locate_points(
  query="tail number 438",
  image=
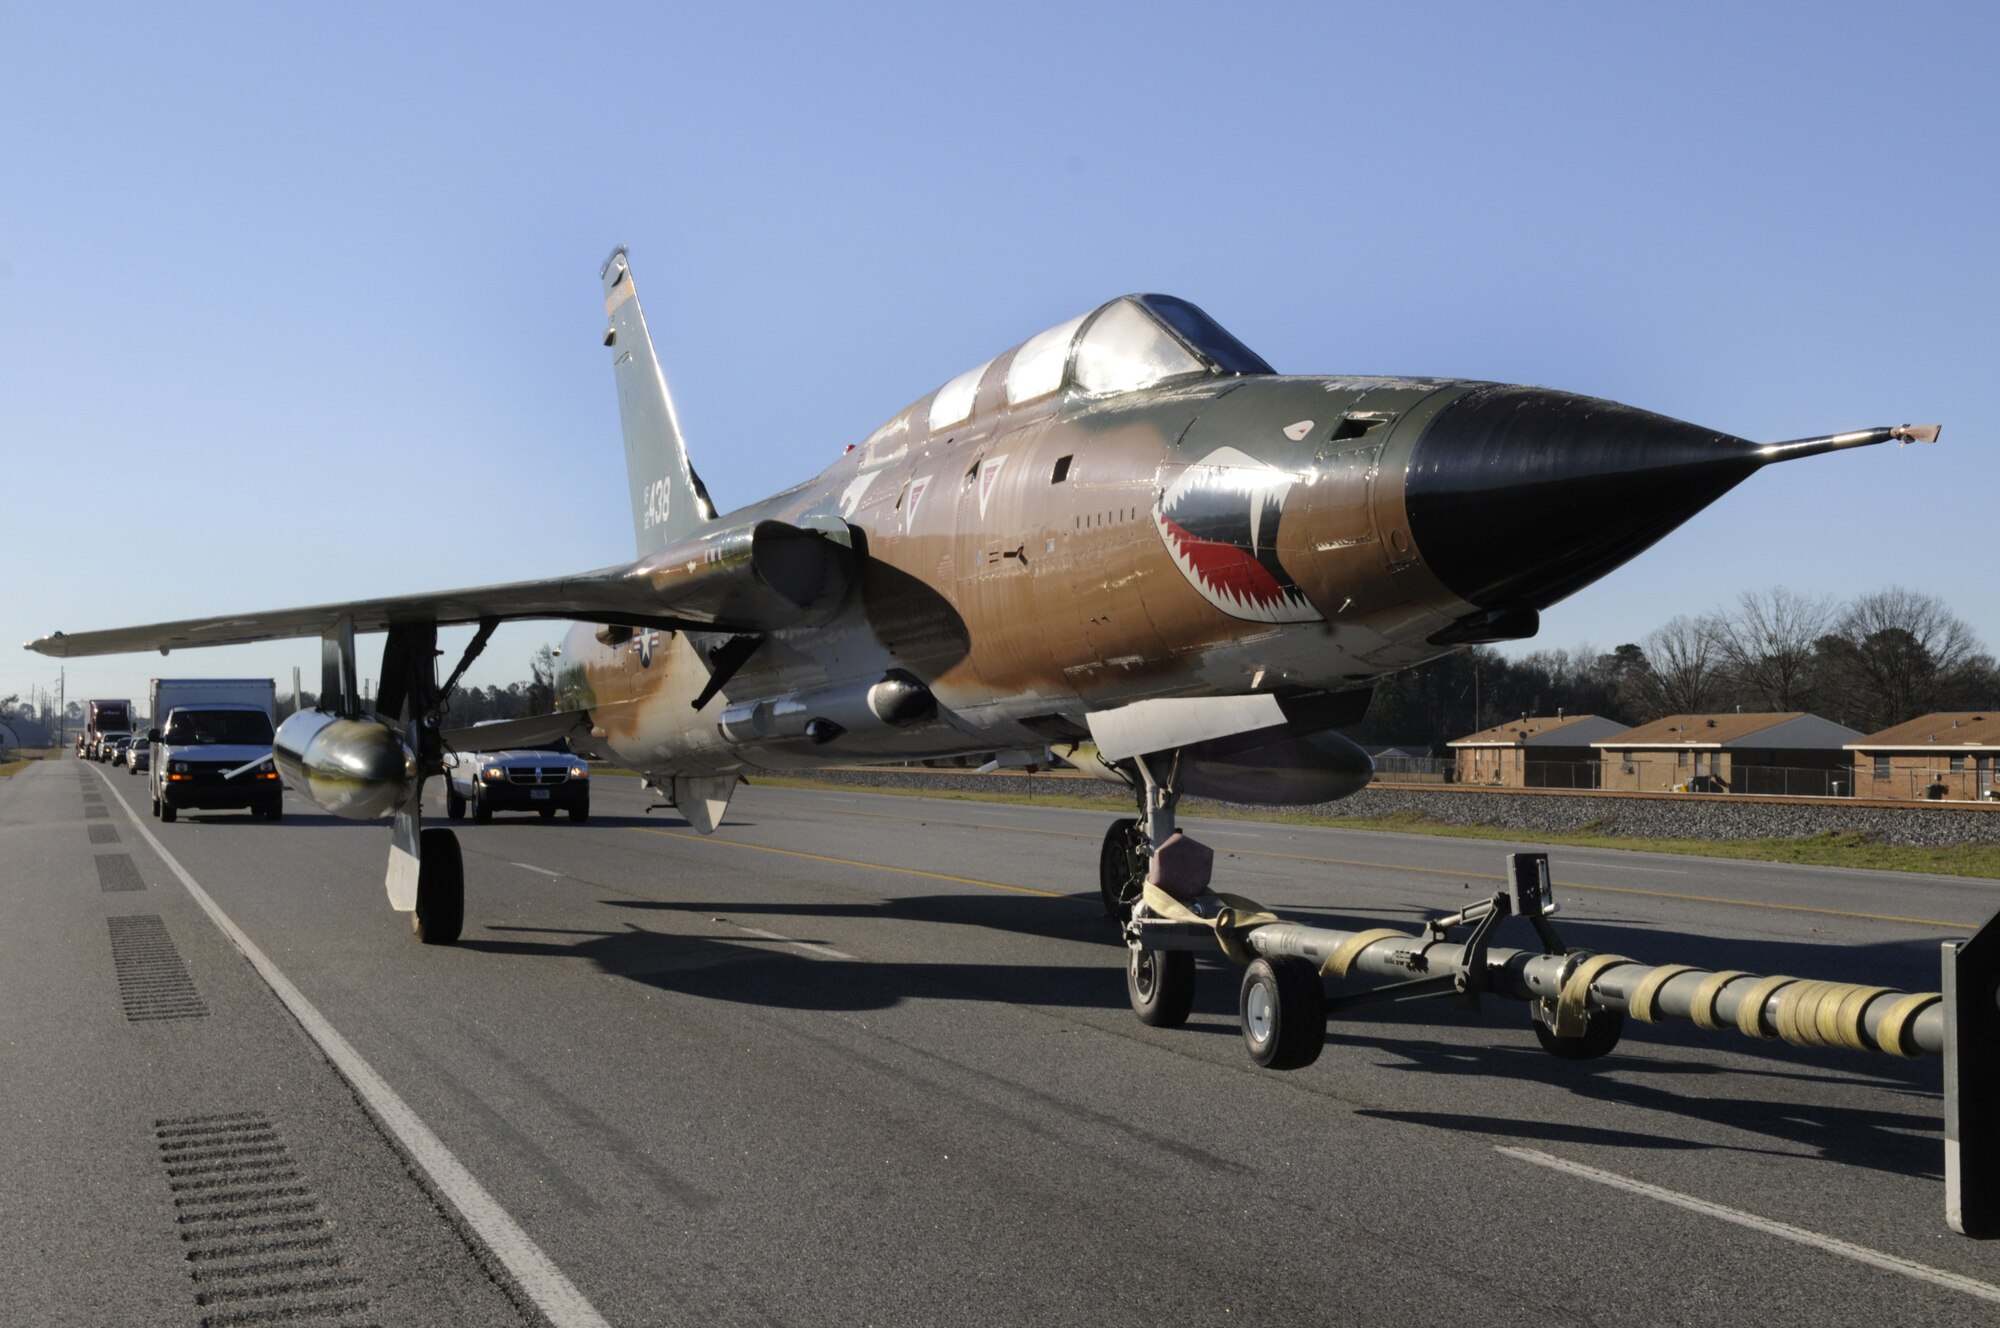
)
(658, 495)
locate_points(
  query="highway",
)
(867, 1059)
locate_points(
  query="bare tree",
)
(1896, 654)
(541, 692)
(1769, 645)
(1686, 666)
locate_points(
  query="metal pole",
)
(1527, 976)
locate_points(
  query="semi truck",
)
(104, 719)
(211, 747)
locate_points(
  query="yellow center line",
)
(1401, 867)
(850, 862)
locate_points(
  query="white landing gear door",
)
(406, 852)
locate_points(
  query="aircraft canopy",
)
(1132, 342)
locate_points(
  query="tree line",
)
(1869, 663)
(475, 705)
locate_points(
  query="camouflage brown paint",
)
(1018, 596)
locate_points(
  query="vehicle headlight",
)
(490, 772)
(179, 767)
(579, 772)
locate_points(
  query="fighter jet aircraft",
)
(1128, 531)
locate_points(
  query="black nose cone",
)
(1518, 496)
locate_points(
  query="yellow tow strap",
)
(1896, 1020)
(1343, 955)
(1797, 1015)
(1644, 1002)
(1708, 993)
(1750, 1014)
(1572, 1009)
(1236, 916)
(1849, 1018)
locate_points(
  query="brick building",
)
(1534, 751)
(1791, 752)
(1948, 754)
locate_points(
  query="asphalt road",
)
(867, 1059)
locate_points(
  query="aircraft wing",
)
(751, 579)
(534, 731)
(592, 597)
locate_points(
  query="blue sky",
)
(299, 303)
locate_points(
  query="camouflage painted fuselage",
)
(1035, 563)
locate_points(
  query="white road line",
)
(1782, 1230)
(816, 949)
(1626, 866)
(553, 1293)
(529, 866)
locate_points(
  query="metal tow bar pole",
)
(1582, 1000)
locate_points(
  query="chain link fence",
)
(1668, 776)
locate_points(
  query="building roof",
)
(1793, 729)
(1939, 731)
(1543, 731)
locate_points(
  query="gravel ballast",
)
(1664, 816)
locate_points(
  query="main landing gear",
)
(426, 872)
(439, 915)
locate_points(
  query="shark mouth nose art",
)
(1220, 523)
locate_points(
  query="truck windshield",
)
(246, 727)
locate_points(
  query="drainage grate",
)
(116, 872)
(103, 834)
(152, 981)
(92, 811)
(258, 1246)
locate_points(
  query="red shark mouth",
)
(1226, 574)
(1219, 520)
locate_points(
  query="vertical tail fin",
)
(668, 501)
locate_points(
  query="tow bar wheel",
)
(1283, 1011)
(1601, 1031)
(1161, 985)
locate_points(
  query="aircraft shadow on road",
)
(765, 972)
(1067, 918)
(1903, 1143)
(753, 970)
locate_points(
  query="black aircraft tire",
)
(1282, 1009)
(274, 809)
(454, 806)
(1120, 868)
(1601, 1031)
(156, 805)
(440, 911)
(1160, 984)
(167, 811)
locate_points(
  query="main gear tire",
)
(440, 912)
